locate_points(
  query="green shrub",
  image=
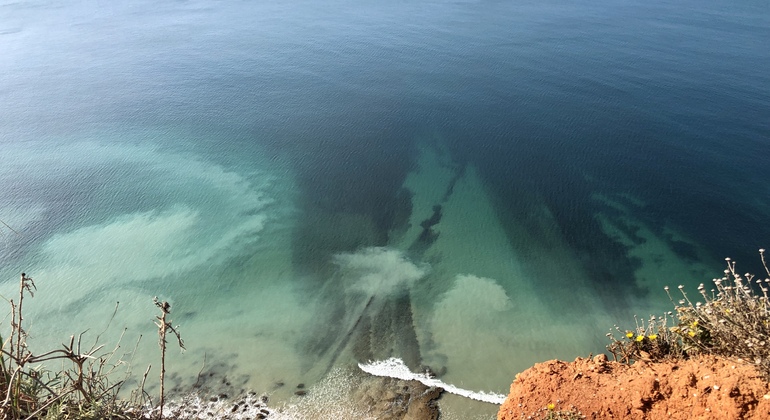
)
(650, 340)
(733, 321)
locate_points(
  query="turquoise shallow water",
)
(471, 186)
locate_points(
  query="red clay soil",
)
(703, 388)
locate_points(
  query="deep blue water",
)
(233, 149)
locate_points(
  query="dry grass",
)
(84, 385)
(83, 388)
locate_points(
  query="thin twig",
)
(200, 372)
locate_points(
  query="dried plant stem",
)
(163, 327)
(82, 388)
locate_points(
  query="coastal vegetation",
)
(82, 387)
(87, 383)
(732, 321)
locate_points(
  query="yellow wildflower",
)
(551, 406)
(691, 333)
(630, 334)
(639, 337)
(652, 336)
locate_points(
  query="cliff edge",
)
(705, 387)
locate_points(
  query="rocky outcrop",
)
(707, 387)
(394, 399)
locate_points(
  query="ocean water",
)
(474, 186)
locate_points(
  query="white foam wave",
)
(395, 368)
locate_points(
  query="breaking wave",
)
(396, 368)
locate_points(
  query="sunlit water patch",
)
(157, 223)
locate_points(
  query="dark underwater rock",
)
(394, 399)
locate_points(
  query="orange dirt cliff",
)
(706, 387)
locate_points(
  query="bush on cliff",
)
(733, 321)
